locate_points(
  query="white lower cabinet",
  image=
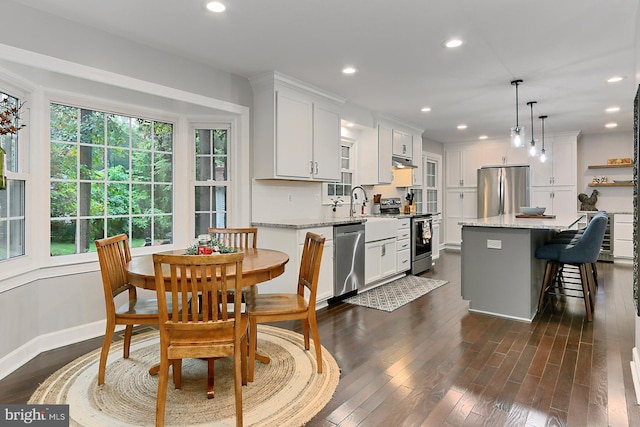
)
(403, 245)
(435, 236)
(291, 241)
(460, 205)
(379, 259)
(623, 236)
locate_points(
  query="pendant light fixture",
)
(517, 132)
(543, 154)
(532, 144)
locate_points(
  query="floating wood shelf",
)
(612, 184)
(626, 165)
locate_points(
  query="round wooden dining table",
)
(259, 265)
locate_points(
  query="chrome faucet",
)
(353, 195)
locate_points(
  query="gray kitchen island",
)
(500, 273)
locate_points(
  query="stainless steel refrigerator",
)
(502, 190)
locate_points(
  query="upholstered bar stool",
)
(582, 252)
(571, 237)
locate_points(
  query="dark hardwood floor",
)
(432, 363)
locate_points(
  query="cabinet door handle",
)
(316, 168)
(384, 250)
(311, 167)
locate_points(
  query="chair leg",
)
(595, 274)
(546, 282)
(244, 354)
(177, 373)
(237, 365)
(253, 343)
(210, 377)
(163, 381)
(128, 331)
(584, 278)
(316, 339)
(305, 329)
(106, 343)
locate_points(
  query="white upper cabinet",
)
(417, 161)
(461, 165)
(374, 156)
(402, 144)
(502, 153)
(296, 130)
(326, 143)
(560, 168)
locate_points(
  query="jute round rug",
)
(286, 392)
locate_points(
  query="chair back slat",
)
(240, 238)
(200, 283)
(310, 266)
(114, 255)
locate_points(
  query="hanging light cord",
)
(516, 83)
(533, 142)
(542, 119)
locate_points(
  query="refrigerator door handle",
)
(501, 192)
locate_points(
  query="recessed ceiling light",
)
(216, 6)
(612, 109)
(611, 125)
(483, 137)
(453, 43)
(462, 126)
(425, 109)
(615, 79)
(348, 70)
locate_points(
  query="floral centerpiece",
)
(10, 116)
(207, 244)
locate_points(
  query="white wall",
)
(50, 304)
(595, 149)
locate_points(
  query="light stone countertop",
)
(310, 222)
(301, 223)
(561, 222)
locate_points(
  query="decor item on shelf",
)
(9, 124)
(588, 203)
(595, 180)
(543, 153)
(622, 161)
(532, 144)
(517, 132)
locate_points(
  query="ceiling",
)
(564, 51)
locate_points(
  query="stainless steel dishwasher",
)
(348, 255)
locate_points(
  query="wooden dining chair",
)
(240, 238)
(294, 306)
(113, 255)
(208, 327)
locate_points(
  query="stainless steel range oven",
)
(421, 241)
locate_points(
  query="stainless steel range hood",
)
(401, 163)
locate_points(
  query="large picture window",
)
(212, 178)
(12, 190)
(110, 174)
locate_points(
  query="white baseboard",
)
(635, 372)
(42, 343)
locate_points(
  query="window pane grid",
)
(110, 174)
(212, 178)
(12, 198)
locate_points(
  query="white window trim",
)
(434, 158)
(37, 265)
(326, 199)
